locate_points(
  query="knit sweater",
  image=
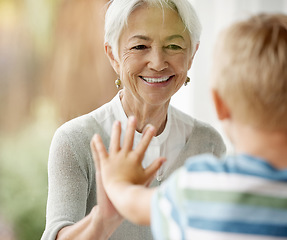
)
(71, 171)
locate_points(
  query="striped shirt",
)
(238, 197)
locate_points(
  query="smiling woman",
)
(163, 55)
(151, 45)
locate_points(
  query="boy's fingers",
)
(115, 137)
(146, 129)
(97, 163)
(151, 169)
(99, 148)
(149, 133)
(95, 155)
(129, 136)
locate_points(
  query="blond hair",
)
(250, 71)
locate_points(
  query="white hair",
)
(119, 11)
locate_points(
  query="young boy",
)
(243, 196)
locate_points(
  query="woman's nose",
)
(157, 60)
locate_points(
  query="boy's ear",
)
(113, 61)
(222, 110)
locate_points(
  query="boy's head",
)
(250, 71)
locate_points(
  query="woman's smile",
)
(156, 79)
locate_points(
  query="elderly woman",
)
(151, 45)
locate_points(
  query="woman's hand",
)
(102, 221)
(105, 210)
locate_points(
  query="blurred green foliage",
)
(30, 45)
(24, 150)
(23, 175)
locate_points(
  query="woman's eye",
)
(174, 47)
(139, 47)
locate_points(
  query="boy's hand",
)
(123, 164)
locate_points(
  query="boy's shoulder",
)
(204, 162)
(235, 165)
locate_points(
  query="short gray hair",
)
(119, 11)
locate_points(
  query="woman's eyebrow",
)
(142, 37)
(169, 38)
(146, 38)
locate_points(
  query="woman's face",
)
(154, 55)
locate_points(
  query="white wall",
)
(194, 99)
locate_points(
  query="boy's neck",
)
(268, 145)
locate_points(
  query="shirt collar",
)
(122, 117)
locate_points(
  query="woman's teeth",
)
(155, 80)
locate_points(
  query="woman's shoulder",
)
(87, 123)
(204, 128)
(178, 115)
(73, 137)
(79, 125)
(79, 131)
(197, 125)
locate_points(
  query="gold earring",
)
(186, 81)
(118, 83)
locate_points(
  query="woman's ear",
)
(222, 110)
(191, 59)
(111, 57)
